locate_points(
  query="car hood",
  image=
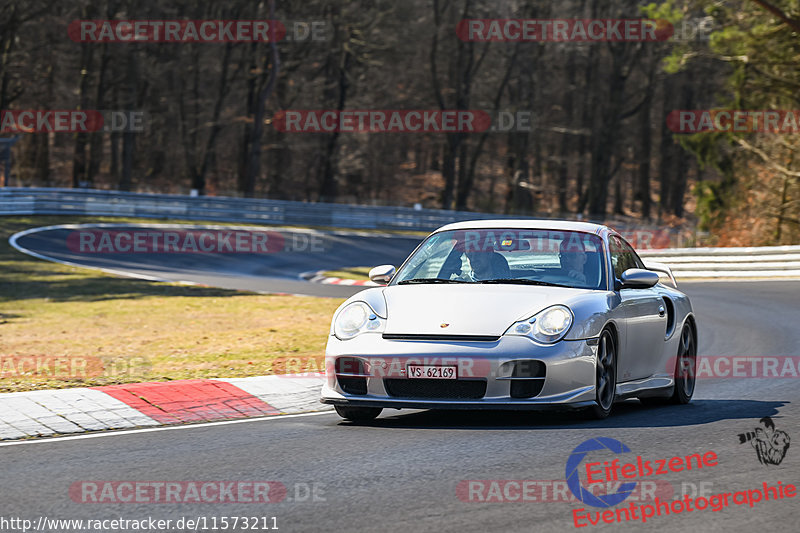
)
(468, 309)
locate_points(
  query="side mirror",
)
(637, 278)
(384, 273)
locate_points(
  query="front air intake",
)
(351, 375)
(527, 378)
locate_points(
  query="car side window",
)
(628, 249)
(622, 256)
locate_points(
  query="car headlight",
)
(547, 326)
(356, 318)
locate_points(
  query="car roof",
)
(530, 223)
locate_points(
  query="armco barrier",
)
(745, 262)
(775, 261)
(46, 201)
(92, 202)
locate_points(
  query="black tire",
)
(685, 367)
(357, 414)
(605, 376)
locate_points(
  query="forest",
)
(571, 127)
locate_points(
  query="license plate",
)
(431, 372)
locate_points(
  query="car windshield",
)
(507, 256)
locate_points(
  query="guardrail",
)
(47, 201)
(783, 261)
(734, 262)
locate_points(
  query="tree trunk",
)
(681, 158)
(253, 168)
(645, 142)
(129, 136)
(604, 144)
(208, 158)
(79, 169)
(329, 186)
(449, 169)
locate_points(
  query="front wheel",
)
(605, 376)
(357, 414)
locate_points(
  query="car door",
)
(645, 320)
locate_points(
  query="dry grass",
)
(359, 273)
(130, 330)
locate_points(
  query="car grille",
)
(450, 389)
(428, 337)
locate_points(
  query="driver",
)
(572, 255)
(481, 264)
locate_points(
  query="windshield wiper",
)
(524, 281)
(429, 280)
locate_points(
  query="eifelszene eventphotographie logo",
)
(616, 471)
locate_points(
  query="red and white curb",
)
(134, 405)
(320, 277)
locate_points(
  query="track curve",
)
(278, 271)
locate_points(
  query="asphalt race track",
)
(400, 473)
(262, 272)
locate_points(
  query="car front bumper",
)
(569, 372)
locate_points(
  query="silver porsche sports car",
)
(513, 314)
